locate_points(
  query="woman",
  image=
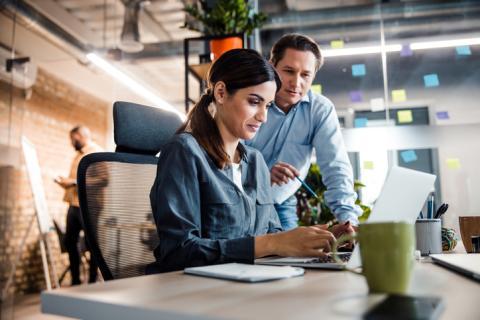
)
(211, 198)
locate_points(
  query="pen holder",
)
(429, 236)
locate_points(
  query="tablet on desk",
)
(246, 272)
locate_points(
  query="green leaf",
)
(308, 204)
(226, 17)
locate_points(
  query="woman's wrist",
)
(264, 245)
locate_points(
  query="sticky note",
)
(355, 96)
(377, 104)
(358, 70)
(453, 163)
(406, 51)
(368, 165)
(463, 51)
(399, 95)
(316, 88)
(431, 80)
(405, 116)
(409, 156)
(336, 44)
(361, 122)
(442, 115)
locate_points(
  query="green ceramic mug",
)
(387, 250)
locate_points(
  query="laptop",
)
(464, 263)
(401, 199)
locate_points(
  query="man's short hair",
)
(299, 42)
(82, 130)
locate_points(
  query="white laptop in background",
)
(401, 199)
(467, 264)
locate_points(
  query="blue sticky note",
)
(355, 96)
(408, 156)
(431, 80)
(358, 70)
(361, 122)
(442, 115)
(463, 50)
(406, 51)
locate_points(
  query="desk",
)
(317, 295)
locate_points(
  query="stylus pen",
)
(308, 188)
(430, 206)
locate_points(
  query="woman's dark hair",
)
(238, 69)
(298, 42)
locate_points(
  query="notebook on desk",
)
(401, 199)
(464, 263)
(245, 272)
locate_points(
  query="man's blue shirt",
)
(291, 138)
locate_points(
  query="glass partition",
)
(405, 81)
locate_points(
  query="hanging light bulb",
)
(130, 37)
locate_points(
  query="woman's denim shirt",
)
(202, 217)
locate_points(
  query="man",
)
(298, 122)
(81, 140)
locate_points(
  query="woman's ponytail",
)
(201, 124)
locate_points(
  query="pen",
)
(430, 207)
(441, 210)
(308, 188)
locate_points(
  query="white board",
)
(36, 183)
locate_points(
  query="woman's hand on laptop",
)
(312, 241)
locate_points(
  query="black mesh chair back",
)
(114, 189)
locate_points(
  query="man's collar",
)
(306, 98)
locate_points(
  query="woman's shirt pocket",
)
(222, 211)
(265, 210)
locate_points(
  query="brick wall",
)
(45, 118)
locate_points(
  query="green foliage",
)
(309, 207)
(226, 17)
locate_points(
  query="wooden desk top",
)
(319, 294)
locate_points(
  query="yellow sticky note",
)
(405, 116)
(453, 163)
(316, 88)
(368, 165)
(336, 44)
(399, 95)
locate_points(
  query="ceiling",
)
(65, 30)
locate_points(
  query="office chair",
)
(114, 189)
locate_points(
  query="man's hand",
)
(344, 228)
(282, 172)
(65, 182)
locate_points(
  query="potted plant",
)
(223, 18)
(313, 211)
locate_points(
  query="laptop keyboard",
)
(344, 256)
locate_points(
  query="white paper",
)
(246, 272)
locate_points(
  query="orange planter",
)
(220, 46)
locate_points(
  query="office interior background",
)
(404, 77)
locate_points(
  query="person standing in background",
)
(81, 140)
(298, 122)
